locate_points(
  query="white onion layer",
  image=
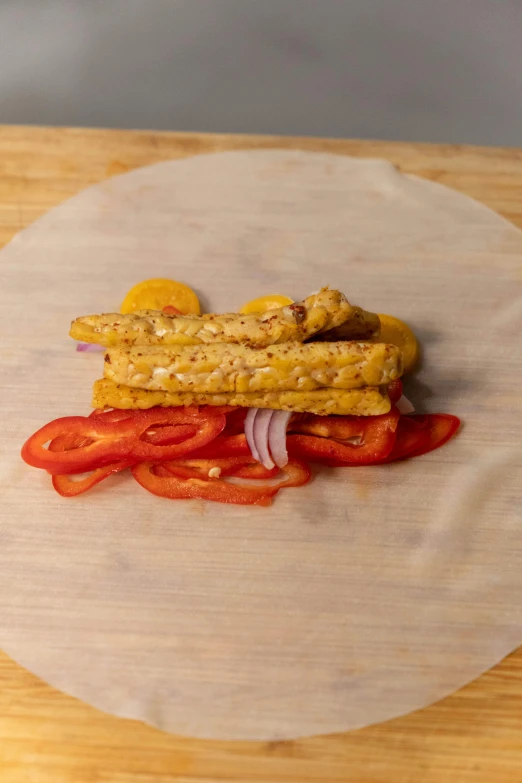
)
(261, 427)
(249, 432)
(404, 405)
(89, 347)
(277, 437)
(265, 431)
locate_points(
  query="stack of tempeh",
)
(320, 355)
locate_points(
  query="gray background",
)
(428, 70)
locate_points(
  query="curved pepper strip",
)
(67, 441)
(158, 480)
(164, 435)
(422, 433)
(240, 467)
(68, 487)
(173, 433)
(225, 446)
(394, 390)
(377, 435)
(410, 436)
(236, 421)
(256, 471)
(113, 441)
(366, 428)
(112, 414)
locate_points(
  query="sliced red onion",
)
(249, 432)
(89, 347)
(404, 405)
(261, 427)
(277, 437)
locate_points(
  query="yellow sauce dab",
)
(157, 293)
(398, 333)
(264, 303)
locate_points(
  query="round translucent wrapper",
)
(370, 592)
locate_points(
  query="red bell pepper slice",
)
(343, 428)
(255, 470)
(162, 435)
(376, 433)
(68, 487)
(244, 467)
(394, 390)
(67, 441)
(422, 433)
(209, 427)
(225, 446)
(173, 433)
(156, 478)
(215, 410)
(236, 421)
(113, 441)
(112, 414)
(410, 436)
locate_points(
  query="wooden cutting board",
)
(40, 169)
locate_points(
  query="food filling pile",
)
(234, 407)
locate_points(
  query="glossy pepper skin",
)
(189, 452)
(104, 441)
(240, 467)
(420, 434)
(376, 436)
(69, 487)
(161, 481)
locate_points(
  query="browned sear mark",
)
(299, 312)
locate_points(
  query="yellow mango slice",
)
(264, 303)
(159, 292)
(396, 332)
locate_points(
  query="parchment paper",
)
(369, 593)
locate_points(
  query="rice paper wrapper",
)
(369, 593)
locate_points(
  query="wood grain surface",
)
(46, 736)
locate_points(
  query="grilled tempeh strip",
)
(361, 325)
(235, 368)
(368, 401)
(298, 322)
